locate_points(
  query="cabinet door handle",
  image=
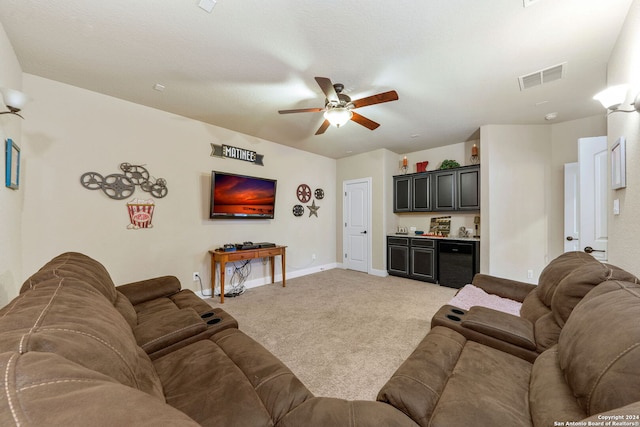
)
(570, 238)
(363, 232)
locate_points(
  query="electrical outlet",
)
(196, 276)
(529, 274)
(313, 257)
(229, 270)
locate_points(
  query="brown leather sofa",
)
(545, 307)
(70, 355)
(590, 377)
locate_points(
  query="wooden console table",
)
(223, 257)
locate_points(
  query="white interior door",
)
(592, 158)
(357, 233)
(571, 207)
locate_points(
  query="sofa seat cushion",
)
(68, 317)
(550, 398)
(168, 328)
(449, 381)
(229, 380)
(44, 389)
(327, 411)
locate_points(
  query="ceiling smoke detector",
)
(542, 76)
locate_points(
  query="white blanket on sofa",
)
(471, 295)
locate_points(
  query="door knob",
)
(571, 238)
(589, 249)
(363, 232)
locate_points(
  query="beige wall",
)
(70, 131)
(564, 149)
(624, 68)
(516, 183)
(11, 201)
(374, 165)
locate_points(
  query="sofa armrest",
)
(168, 328)
(505, 288)
(503, 326)
(146, 290)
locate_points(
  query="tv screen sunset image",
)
(241, 195)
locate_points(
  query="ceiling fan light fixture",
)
(338, 116)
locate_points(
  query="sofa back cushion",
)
(76, 265)
(557, 270)
(69, 317)
(599, 347)
(572, 289)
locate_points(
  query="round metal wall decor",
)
(91, 180)
(319, 193)
(298, 210)
(136, 174)
(304, 193)
(117, 186)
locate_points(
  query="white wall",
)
(70, 131)
(624, 68)
(11, 201)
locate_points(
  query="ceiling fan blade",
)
(392, 95)
(301, 110)
(328, 89)
(323, 127)
(362, 120)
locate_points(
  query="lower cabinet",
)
(398, 256)
(448, 262)
(423, 260)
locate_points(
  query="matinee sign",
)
(236, 153)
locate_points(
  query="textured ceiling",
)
(454, 63)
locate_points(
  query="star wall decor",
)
(313, 209)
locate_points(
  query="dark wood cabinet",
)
(468, 191)
(398, 256)
(423, 260)
(449, 262)
(402, 193)
(443, 190)
(421, 192)
(414, 258)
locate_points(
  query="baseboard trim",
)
(261, 281)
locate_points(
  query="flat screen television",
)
(240, 196)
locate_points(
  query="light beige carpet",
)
(343, 333)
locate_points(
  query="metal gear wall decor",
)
(121, 186)
(319, 193)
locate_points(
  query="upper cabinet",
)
(468, 188)
(442, 190)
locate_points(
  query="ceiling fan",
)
(338, 108)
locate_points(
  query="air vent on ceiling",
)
(543, 76)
